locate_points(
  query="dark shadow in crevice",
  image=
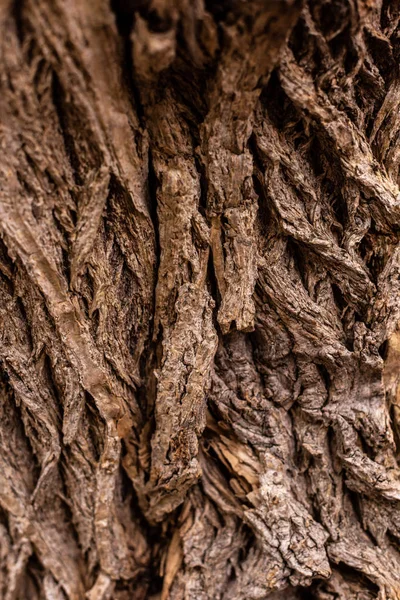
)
(266, 216)
(36, 573)
(124, 11)
(383, 350)
(277, 103)
(338, 297)
(17, 14)
(396, 431)
(96, 426)
(295, 250)
(69, 145)
(324, 373)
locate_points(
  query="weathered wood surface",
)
(199, 300)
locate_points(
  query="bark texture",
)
(199, 299)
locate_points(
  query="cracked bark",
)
(199, 300)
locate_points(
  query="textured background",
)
(199, 294)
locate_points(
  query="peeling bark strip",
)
(199, 300)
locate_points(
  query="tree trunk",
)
(199, 299)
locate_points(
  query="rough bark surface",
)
(199, 299)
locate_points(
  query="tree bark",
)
(199, 300)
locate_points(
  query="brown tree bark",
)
(199, 299)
